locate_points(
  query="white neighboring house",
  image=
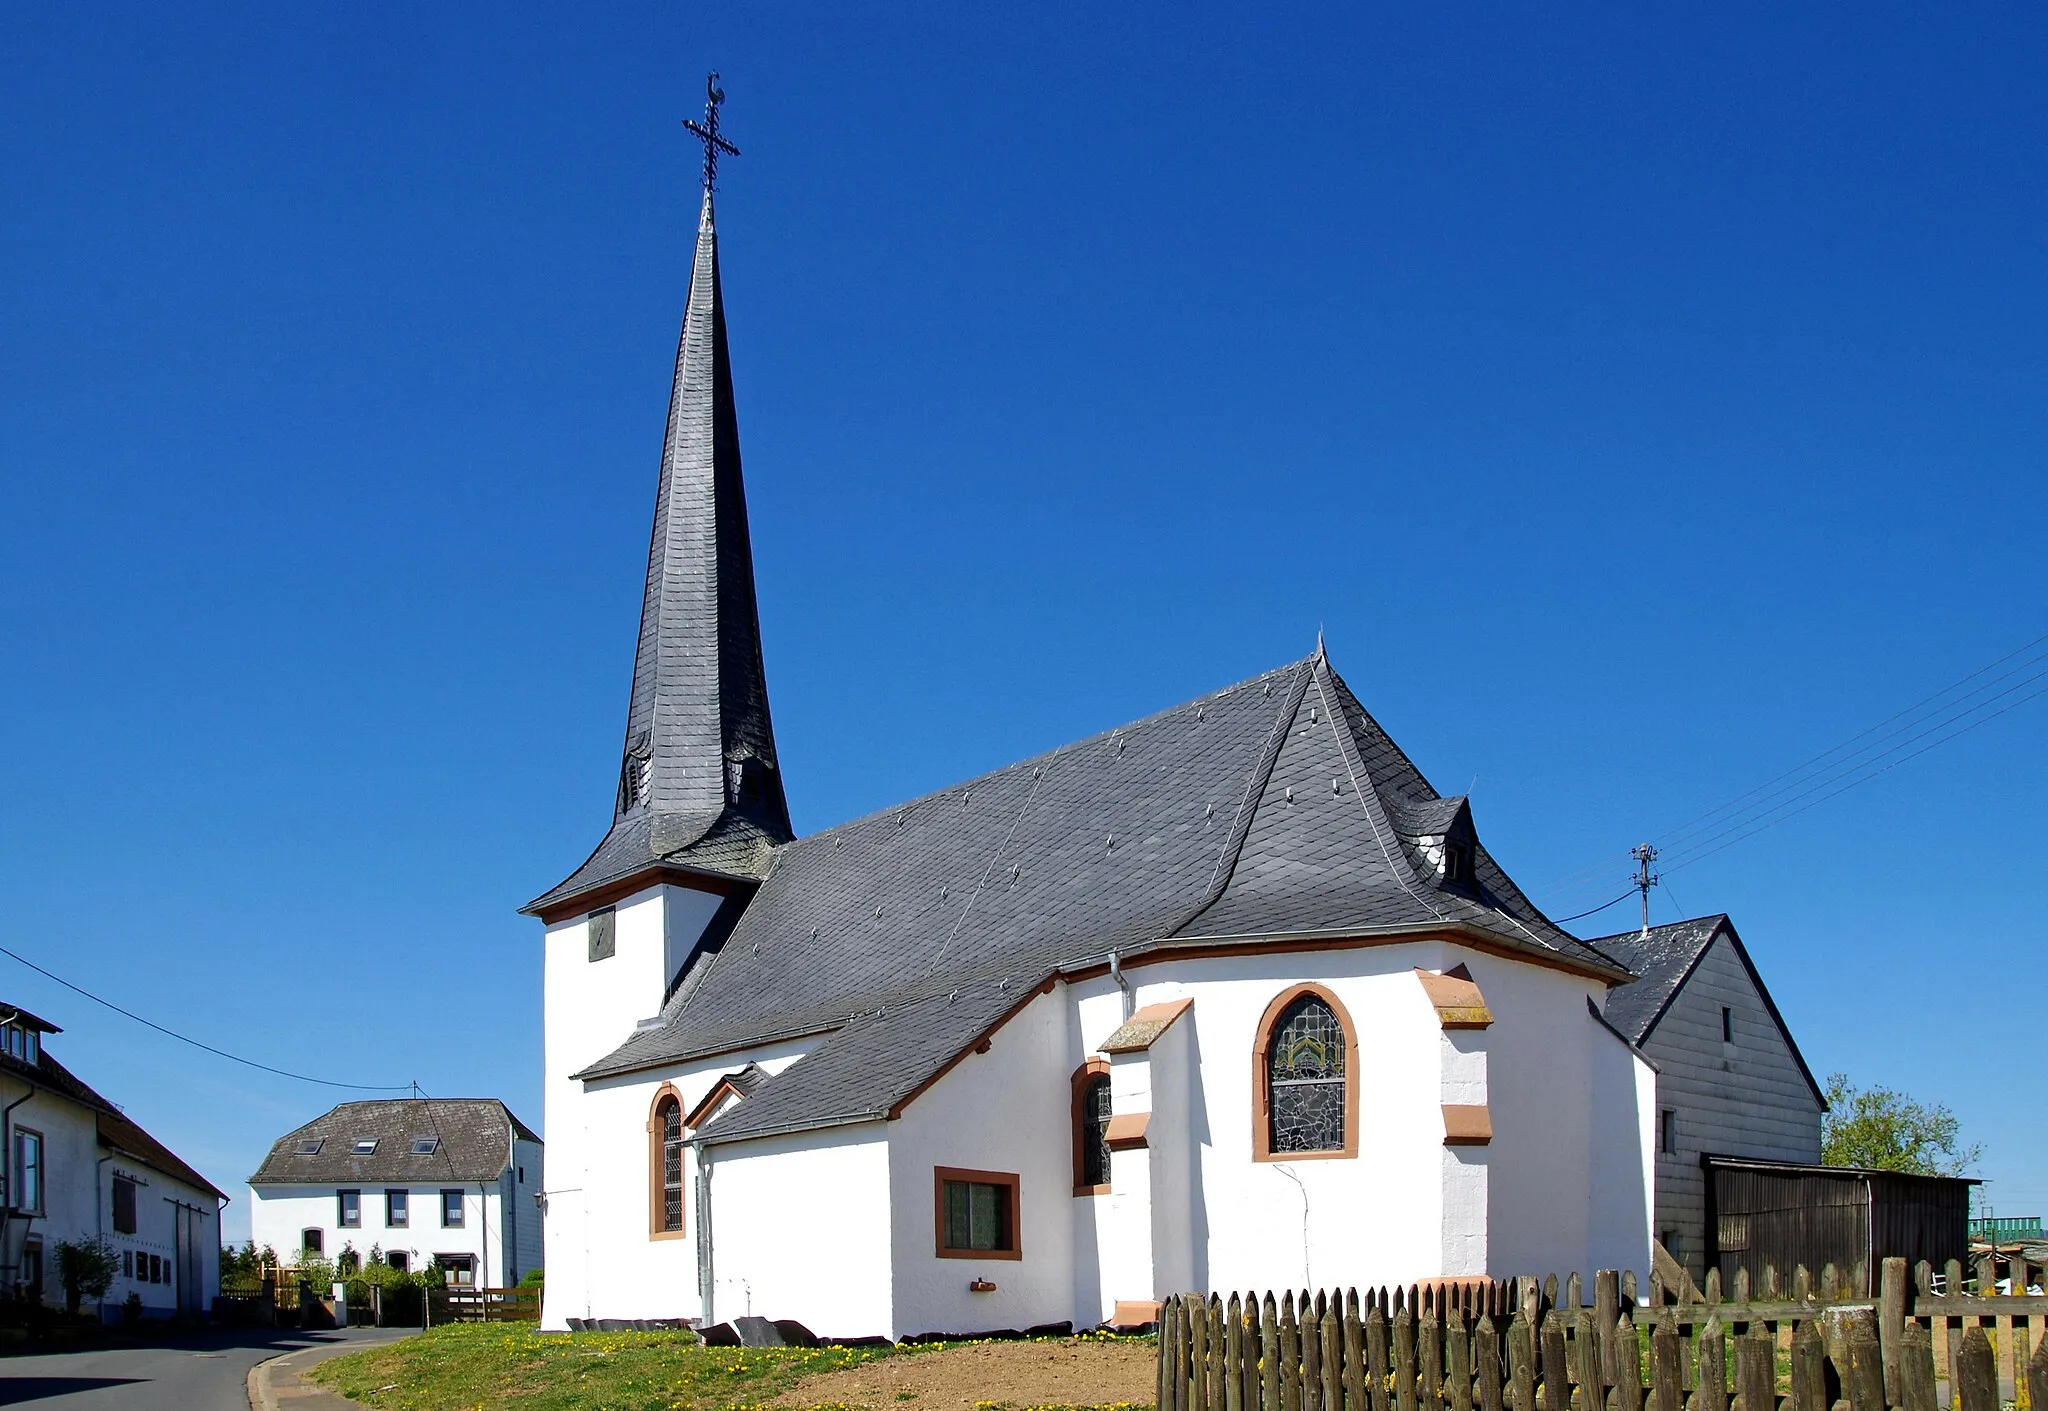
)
(77, 1168)
(1229, 997)
(411, 1179)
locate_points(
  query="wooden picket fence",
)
(1517, 1345)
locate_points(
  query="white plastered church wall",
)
(802, 1227)
(1008, 1110)
(595, 1206)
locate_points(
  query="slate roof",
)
(1660, 961)
(475, 1143)
(699, 783)
(1265, 808)
(118, 1133)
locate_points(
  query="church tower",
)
(698, 806)
(699, 790)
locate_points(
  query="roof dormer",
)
(1441, 832)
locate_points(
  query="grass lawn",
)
(512, 1365)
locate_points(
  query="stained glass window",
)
(1092, 1131)
(671, 1165)
(1305, 1079)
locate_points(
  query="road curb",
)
(275, 1384)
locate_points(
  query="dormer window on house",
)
(20, 1041)
(1457, 863)
(310, 1146)
(365, 1146)
(425, 1146)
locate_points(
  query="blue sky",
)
(1641, 400)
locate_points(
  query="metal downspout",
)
(706, 1281)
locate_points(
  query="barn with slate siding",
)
(1228, 996)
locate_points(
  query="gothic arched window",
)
(1308, 1080)
(1091, 1128)
(665, 1163)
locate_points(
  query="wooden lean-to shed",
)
(1782, 1215)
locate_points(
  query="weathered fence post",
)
(1713, 1367)
(1198, 1351)
(1311, 1357)
(1521, 1363)
(1215, 1391)
(1376, 1356)
(1333, 1357)
(1606, 1308)
(1592, 1378)
(1249, 1360)
(1404, 1359)
(1809, 1368)
(1354, 1354)
(1628, 1366)
(2037, 1376)
(1290, 1355)
(1458, 1362)
(1268, 1354)
(1667, 1366)
(1756, 1373)
(1976, 1374)
(1233, 1356)
(1486, 1355)
(1557, 1378)
(1916, 1368)
(1891, 1321)
(1162, 1394)
(1865, 1381)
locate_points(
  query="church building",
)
(1227, 997)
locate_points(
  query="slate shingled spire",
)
(698, 782)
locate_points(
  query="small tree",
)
(86, 1269)
(1889, 1131)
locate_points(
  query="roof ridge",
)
(1255, 787)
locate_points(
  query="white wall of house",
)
(77, 1204)
(279, 1215)
(1744, 1097)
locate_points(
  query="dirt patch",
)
(1062, 1372)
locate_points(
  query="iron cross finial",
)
(707, 131)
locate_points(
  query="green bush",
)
(531, 1279)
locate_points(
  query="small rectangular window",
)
(127, 1263)
(312, 1241)
(29, 1044)
(156, 1268)
(425, 1146)
(349, 1209)
(31, 1272)
(458, 1269)
(311, 1146)
(977, 1214)
(603, 927)
(1727, 1025)
(396, 1213)
(365, 1146)
(398, 1260)
(124, 1206)
(451, 1210)
(1667, 1132)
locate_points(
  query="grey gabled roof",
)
(698, 779)
(1663, 959)
(1265, 807)
(474, 1143)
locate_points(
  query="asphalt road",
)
(204, 1372)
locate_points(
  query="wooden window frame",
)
(1262, 1048)
(663, 1095)
(1083, 1079)
(341, 1215)
(1006, 1179)
(398, 1208)
(461, 1220)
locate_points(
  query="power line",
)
(1832, 772)
(187, 1039)
(1560, 920)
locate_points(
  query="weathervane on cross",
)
(707, 131)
